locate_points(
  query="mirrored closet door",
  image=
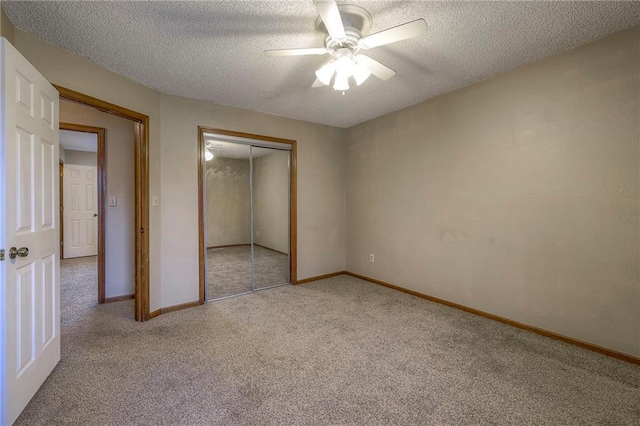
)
(246, 205)
(270, 194)
(227, 208)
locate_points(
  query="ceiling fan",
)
(346, 27)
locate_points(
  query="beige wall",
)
(120, 220)
(80, 158)
(173, 169)
(321, 174)
(7, 30)
(66, 69)
(228, 202)
(517, 196)
(271, 200)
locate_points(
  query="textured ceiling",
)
(78, 141)
(212, 50)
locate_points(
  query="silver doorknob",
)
(21, 252)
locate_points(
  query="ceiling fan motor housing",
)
(350, 42)
(357, 23)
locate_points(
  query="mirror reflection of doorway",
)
(246, 210)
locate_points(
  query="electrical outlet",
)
(372, 258)
(257, 233)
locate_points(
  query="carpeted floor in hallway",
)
(337, 351)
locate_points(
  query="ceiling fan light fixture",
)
(360, 74)
(342, 82)
(345, 66)
(345, 28)
(325, 73)
(208, 155)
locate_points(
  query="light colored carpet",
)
(78, 289)
(338, 351)
(272, 268)
(229, 270)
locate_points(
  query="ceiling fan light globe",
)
(325, 73)
(360, 74)
(208, 155)
(341, 83)
(345, 66)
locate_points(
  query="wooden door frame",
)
(60, 205)
(100, 133)
(293, 199)
(141, 160)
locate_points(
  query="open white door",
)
(29, 282)
(80, 203)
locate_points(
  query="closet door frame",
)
(293, 200)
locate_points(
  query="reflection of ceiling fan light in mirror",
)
(345, 27)
(210, 145)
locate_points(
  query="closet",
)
(246, 209)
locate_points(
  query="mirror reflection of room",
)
(247, 218)
(228, 220)
(270, 216)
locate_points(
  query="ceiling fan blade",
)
(328, 10)
(317, 83)
(296, 52)
(401, 32)
(381, 71)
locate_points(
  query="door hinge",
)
(1, 254)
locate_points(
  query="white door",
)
(29, 283)
(80, 211)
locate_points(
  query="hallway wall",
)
(120, 220)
